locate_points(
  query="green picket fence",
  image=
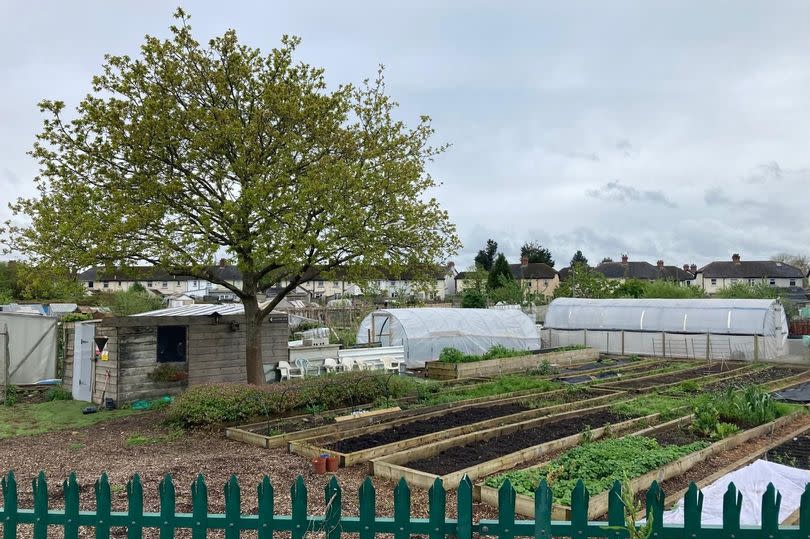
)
(367, 524)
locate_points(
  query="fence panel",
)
(333, 523)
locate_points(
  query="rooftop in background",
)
(152, 273)
(750, 269)
(627, 269)
(200, 309)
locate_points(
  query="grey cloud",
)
(9, 178)
(615, 191)
(624, 146)
(586, 156)
(716, 197)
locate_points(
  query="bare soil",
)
(458, 458)
(103, 448)
(750, 378)
(416, 428)
(680, 376)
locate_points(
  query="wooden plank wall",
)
(137, 356)
(217, 354)
(67, 366)
(101, 368)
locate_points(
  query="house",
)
(643, 271)
(537, 277)
(160, 281)
(720, 274)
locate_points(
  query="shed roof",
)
(200, 309)
(747, 269)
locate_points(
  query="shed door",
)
(83, 360)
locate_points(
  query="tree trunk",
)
(253, 341)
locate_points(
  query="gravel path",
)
(103, 448)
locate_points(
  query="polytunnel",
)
(699, 328)
(425, 332)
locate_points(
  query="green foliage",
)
(58, 393)
(578, 258)
(536, 253)
(585, 282)
(633, 512)
(706, 419)
(743, 290)
(500, 274)
(669, 289)
(630, 288)
(10, 395)
(499, 386)
(749, 408)
(473, 299)
(166, 372)
(258, 156)
(32, 419)
(486, 256)
(132, 301)
(345, 337)
(453, 355)
(210, 405)
(598, 464)
(652, 403)
(76, 317)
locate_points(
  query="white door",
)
(83, 346)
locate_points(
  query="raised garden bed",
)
(630, 372)
(493, 367)
(757, 377)
(598, 503)
(485, 452)
(361, 445)
(714, 370)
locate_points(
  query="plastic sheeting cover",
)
(719, 316)
(32, 347)
(795, 394)
(427, 331)
(751, 481)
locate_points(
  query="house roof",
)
(534, 270)
(642, 270)
(152, 273)
(750, 269)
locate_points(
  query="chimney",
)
(221, 262)
(660, 264)
(624, 259)
(686, 267)
(693, 268)
(735, 258)
(524, 261)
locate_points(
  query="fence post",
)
(265, 497)
(579, 510)
(506, 511)
(622, 342)
(368, 508)
(732, 505)
(464, 502)
(135, 506)
(663, 344)
(298, 493)
(542, 511)
(199, 508)
(103, 507)
(167, 506)
(9, 487)
(585, 337)
(233, 507)
(40, 490)
(771, 501)
(71, 489)
(402, 510)
(708, 346)
(437, 499)
(756, 348)
(331, 519)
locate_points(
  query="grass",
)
(669, 407)
(137, 439)
(32, 419)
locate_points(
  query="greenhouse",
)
(425, 332)
(753, 329)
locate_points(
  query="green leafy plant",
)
(10, 397)
(58, 393)
(586, 436)
(724, 430)
(633, 511)
(166, 372)
(598, 464)
(453, 355)
(706, 419)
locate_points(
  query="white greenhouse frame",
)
(425, 332)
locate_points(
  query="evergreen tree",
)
(536, 253)
(579, 258)
(499, 269)
(486, 256)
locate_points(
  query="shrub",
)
(58, 393)
(453, 355)
(208, 405)
(167, 373)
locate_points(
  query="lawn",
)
(30, 419)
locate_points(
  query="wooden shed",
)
(203, 344)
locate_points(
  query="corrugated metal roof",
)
(200, 309)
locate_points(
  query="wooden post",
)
(585, 337)
(708, 346)
(607, 342)
(756, 348)
(6, 362)
(622, 342)
(663, 344)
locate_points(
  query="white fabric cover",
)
(32, 347)
(751, 481)
(425, 332)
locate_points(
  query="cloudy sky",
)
(674, 130)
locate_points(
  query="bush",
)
(453, 355)
(209, 405)
(167, 373)
(58, 393)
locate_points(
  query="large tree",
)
(536, 253)
(486, 256)
(500, 274)
(190, 151)
(579, 258)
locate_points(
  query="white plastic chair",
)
(331, 365)
(349, 364)
(287, 372)
(306, 368)
(390, 364)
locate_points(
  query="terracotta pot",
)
(319, 465)
(332, 464)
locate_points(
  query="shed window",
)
(171, 344)
(106, 284)
(148, 284)
(772, 282)
(792, 282)
(714, 281)
(89, 284)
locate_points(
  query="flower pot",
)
(319, 465)
(332, 463)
